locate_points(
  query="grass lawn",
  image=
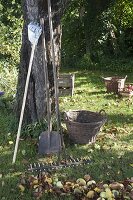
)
(111, 155)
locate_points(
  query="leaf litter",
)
(82, 188)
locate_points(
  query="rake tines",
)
(42, 167)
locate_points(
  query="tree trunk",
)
(33, 10)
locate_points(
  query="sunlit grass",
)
(111, 155)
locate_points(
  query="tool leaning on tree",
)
(49, 141)
(34, 32)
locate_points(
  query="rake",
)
(43, 167)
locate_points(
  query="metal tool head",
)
(49, 147)
(43, 167)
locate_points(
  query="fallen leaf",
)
(10, 142)
(23, 152)
(25, 161)
(21, 187)
(3, 198)
(131, 195)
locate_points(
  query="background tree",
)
(95, 31)
(95, 35)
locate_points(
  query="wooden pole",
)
(46, 82)
(59, 130)
(23, 104)
(54, 66)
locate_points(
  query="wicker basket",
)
(114, 84)
(127, 91)
(83, 126)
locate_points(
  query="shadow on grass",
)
(121, 118)
(95, 77)
(11, 172)
(128, 138)
(110, 96)
(91, 93)
(90, 77)
(106, 165)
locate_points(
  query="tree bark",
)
(33, 10)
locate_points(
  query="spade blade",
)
(55, 143)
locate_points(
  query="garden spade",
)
(49, 141)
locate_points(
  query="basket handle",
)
(103, 77)
(125, 77)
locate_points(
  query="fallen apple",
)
(103, 194)
(87, 177)
(77, 191)
(108, 193)
(81, 181)
(89, 183)
(98, 190)
(115, 193)
(75, 185)
(105, 185)
(59, 184)
(116, 186)
(90, 194)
